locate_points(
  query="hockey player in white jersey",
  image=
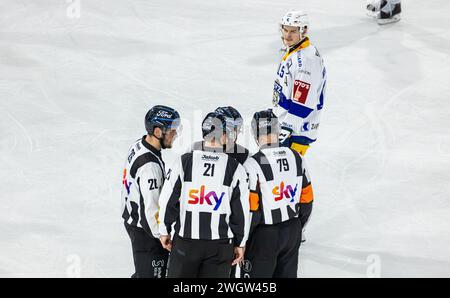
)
(206, 197)
(300, 82)
(143, 178)
(281, 199)
(384, 11)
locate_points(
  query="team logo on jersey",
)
(277, 89)
(301, 90)
(124, 181)
(283, 191)
(197, 196)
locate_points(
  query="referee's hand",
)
(238, 255)
(166, 242)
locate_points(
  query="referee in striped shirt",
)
(281, 198)
(206, 196)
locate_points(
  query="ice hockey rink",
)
(77, 77)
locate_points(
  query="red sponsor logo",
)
(301, 90)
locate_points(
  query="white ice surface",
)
(74, 91)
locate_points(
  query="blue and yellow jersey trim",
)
(303, 44)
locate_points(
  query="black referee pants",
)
(191, 258)
(150, 258)
(272, 251)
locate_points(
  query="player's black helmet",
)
(163, 117)
(215, 125)
(265, 122)
(232, 113)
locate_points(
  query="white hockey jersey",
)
(299, 91)
(143, 178)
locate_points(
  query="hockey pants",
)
(192, 258)
(272, 251)
(150, 258)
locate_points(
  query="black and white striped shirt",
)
(142, 182)
(206, 195)
(238, 152)
(280, 186)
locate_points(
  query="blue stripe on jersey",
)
(284, 102)
(299, 110)
(301, 140)
(320, 105)
(294, 108)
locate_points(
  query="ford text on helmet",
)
(296, 18)
(163, 117)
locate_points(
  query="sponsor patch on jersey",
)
(203, 197)
(125, 182)
(300, 62)
(285, 192)
(306, 72)
(286, 125)
(305, 126)
(301, 90)
(210, 157)
(279, 153)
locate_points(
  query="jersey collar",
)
(150, 147)
(211, 149)
(301, 45)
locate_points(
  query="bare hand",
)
(238, 255)
(166, 242)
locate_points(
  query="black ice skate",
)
(389, 12)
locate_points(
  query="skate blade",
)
(394, 19)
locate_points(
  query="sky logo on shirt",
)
(284, 191)
(197, 196)
(124, 181)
